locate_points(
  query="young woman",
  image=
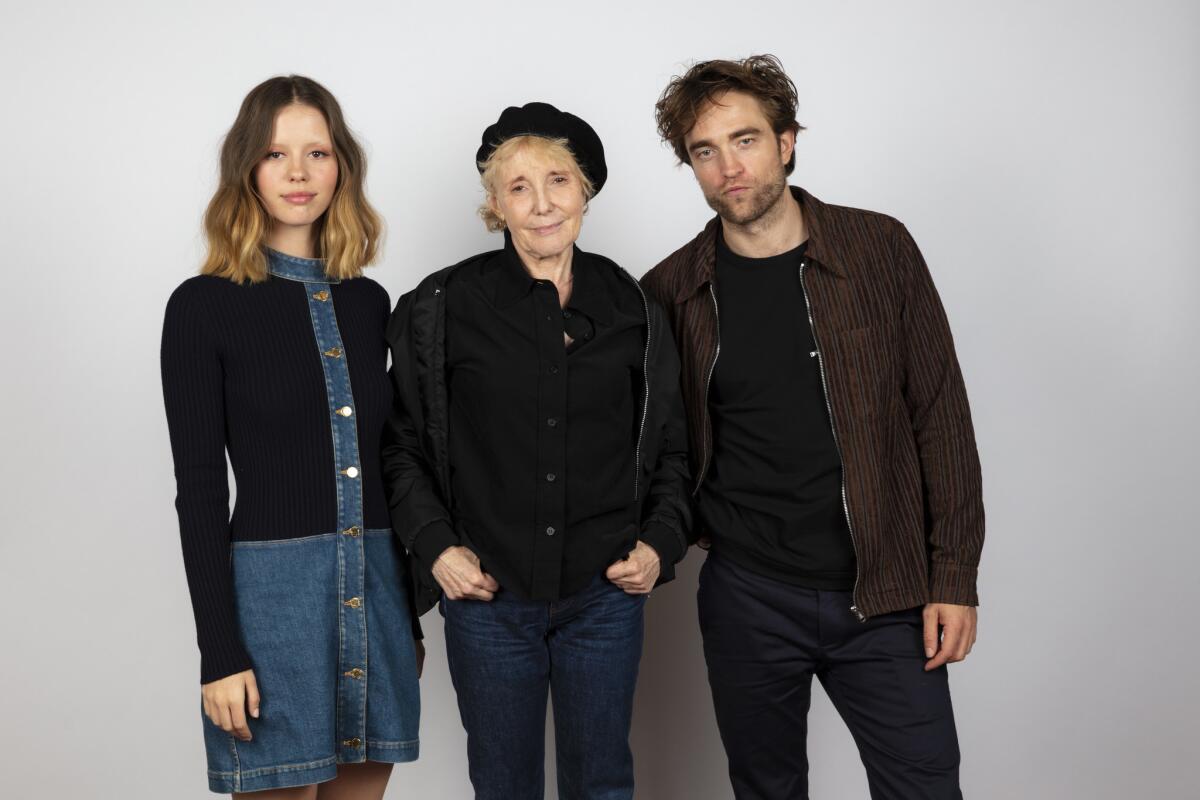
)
(276, 354)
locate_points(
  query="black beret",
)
(543, 119)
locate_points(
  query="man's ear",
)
(787, 146)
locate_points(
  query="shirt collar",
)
(511, 282)
(294, 268)
(822, 250)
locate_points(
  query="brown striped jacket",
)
(912, 486)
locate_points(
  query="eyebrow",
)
(321, 145)
(739, 133)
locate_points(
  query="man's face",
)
(737, 159)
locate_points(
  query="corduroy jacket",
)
(911, 480)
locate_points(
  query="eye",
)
(274, 155)
(703, 153)
(560, 179)
(319, 154)
(746, 140)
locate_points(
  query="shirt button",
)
(550, 476)
(554, 369)
(345, 411)
(549, 318)
(552, 422)
(352, 531)
(566, 315)
(353, 602)
(350, 472)
(321, 296)
(549, 530)
(333, 352)
(354, 673)
(355, 742)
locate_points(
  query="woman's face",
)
(541, 201)
(297, 175)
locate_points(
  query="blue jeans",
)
(507, 654)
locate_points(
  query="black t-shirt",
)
(772, 498)
(543, 435)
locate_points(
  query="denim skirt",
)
(326, 622)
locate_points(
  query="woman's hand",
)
(458, 572)
(227, 700)
(638, 572)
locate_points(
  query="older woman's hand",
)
(638, 572)
(458, 572)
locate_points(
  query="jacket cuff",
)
(432, 540)
(954, 584)
(665, 542)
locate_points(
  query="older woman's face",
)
(541, 201)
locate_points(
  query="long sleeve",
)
(937, 404)
(193, 390)
(667, 510)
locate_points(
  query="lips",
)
(737, 190)
(546, 230)
(299, 198)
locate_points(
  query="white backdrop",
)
(1042, 153)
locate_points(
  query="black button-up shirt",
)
(542, 435)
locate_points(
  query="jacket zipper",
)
(833, 427)
(707, 385)
(637, 455)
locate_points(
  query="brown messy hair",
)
(553, 149)
(236, 222)
(762, 77)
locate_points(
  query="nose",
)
(730, 166)
(298, 171)
(541, 200)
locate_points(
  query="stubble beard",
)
(762, 200)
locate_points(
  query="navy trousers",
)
(506, 655)
(763, 642)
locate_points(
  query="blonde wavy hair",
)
(558, 150)
(236, 222)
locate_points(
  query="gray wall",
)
(1042, 153)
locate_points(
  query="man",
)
(835, 466)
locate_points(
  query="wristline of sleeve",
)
(432, 540)
(665, 541)
(953, 583)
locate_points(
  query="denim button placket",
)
(352, 620)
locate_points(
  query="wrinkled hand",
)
(637, 573)
(457, 571)
(226, 701)
(957, 624)
(419, 647)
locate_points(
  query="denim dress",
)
(324, 617)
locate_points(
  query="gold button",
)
(353, 602)
(345, 411)
(353, 530)
(350, 472)
(354, 673)
(334, 352)
(355, 742)
(322, 295)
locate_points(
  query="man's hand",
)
(637, 572)
(957, 629)
(457, 572)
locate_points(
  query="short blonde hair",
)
(554, 149)
(236, 222)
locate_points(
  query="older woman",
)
(536, 468)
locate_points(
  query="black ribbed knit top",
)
(242, 374)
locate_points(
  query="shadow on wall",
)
(677, 750)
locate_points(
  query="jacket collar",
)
(294, 268)
(702, 253)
